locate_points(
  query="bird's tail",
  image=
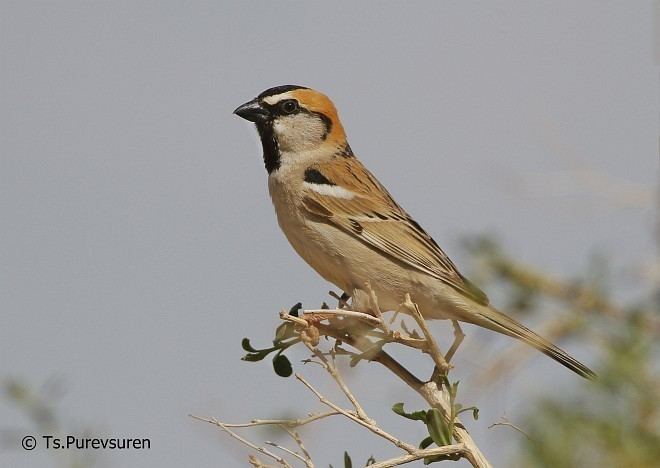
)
(497, 321)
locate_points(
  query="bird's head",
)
(295, 123)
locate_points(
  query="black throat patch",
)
(270, 147)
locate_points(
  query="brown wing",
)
(373, 217)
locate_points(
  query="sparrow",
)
(342, 221)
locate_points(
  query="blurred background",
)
(138, 244)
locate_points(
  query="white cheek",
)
(298, 132)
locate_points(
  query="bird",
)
(345, 224)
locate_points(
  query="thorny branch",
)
(355, 329)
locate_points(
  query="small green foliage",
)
(285, 337)
(474, 409)
(294, 310)
(347, 461)
(415, 416)
(254, 357)
(440, 430)
(425, 442)
(282, 365)
(245, 344)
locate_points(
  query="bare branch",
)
(458, 339)
(331, 368)
(341, 326)
(353, 417)
(505, 422)
(289, 451)
(284, 422)
(433, 395)
(327, 313)
(373, 304)
(456, 449)
(244, 441)
(433, 348)
(296, 437)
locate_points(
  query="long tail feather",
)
(497, 321)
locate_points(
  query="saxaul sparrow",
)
(346, 226)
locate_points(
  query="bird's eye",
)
(289, 106)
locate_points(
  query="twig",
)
(433, 348)
(331, 368)
(431, 391)
(284, 422)
(289, 451)
(455, 449)
(395, 337)
(433, 395)
(373, 303)
(505, 422)
(256, 463)
(296, 437)
(327, 313)
(458, 339)
(388, 336)
(244, 441)
(373, 428)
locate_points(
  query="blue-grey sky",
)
(138, 244)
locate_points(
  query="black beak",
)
(253, 111)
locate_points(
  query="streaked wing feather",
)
(373, 217)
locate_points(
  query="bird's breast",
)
(345, 261)
(315, 241)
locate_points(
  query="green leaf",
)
(474, 409)
(245, 344)
(438, 428)
(254, 357)
(294, 310)
(438, 458)
(370, 461)
(347, 461)
(425, 443)
(282, 365)
(415, 416)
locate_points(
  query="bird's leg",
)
(458, 339)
